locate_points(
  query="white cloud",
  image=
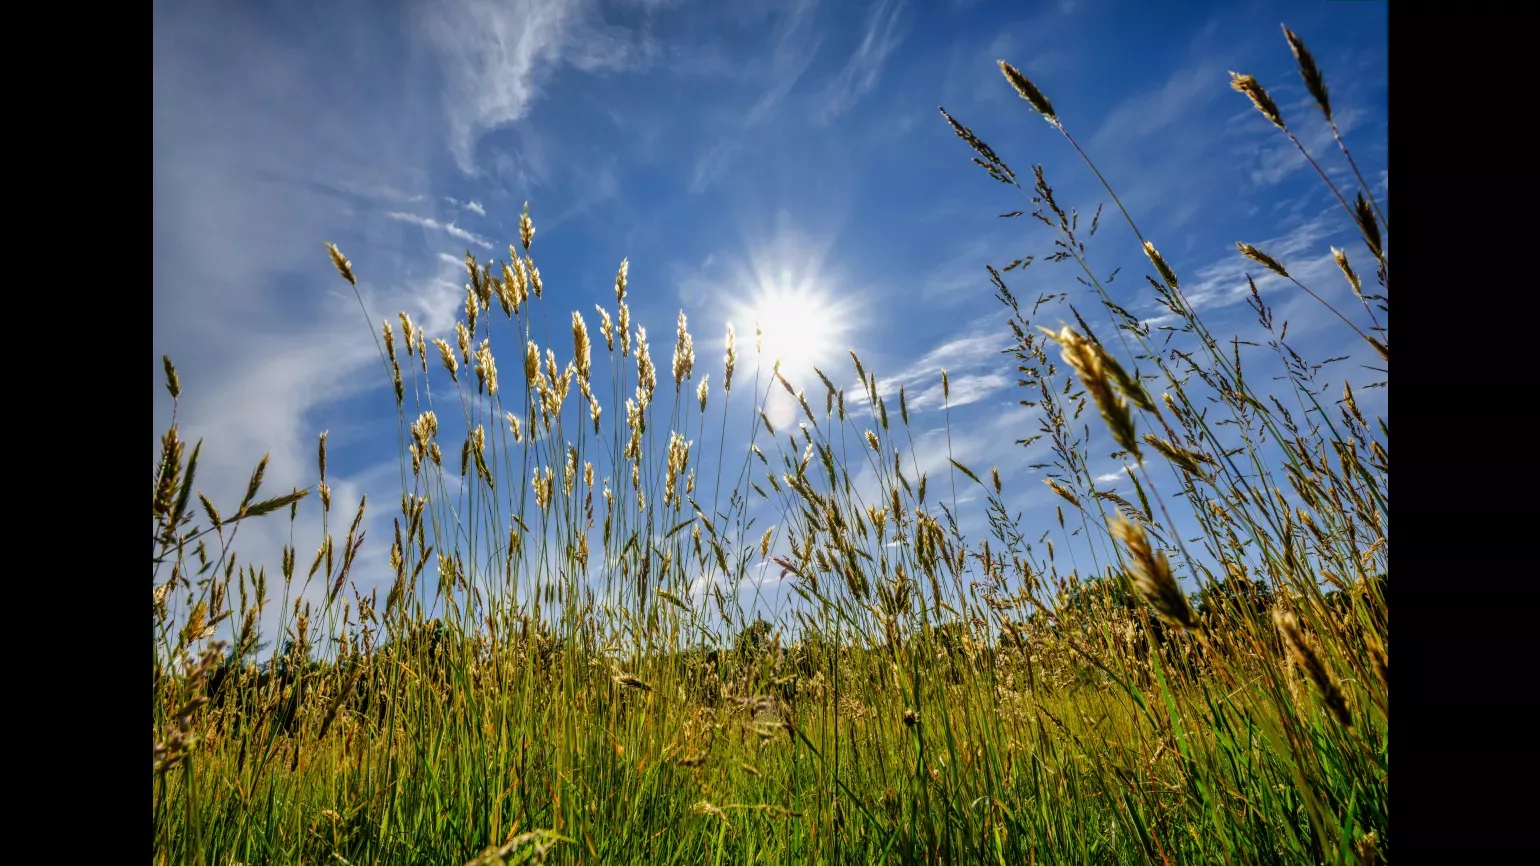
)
(473, 206)
(448, 228)
(973, 361)
(495, 56)
(882, 35)
(796, 44)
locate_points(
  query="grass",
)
(539, 685)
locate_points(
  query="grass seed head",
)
(1253, 89)
(1314, 81)
(1152, 577)
(343, 266)
(1029, 92)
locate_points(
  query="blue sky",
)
(726, 150)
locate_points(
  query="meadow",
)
(564, 671)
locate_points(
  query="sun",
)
(796, 327)
(795, 323)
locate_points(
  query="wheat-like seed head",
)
(1094, 366)
(731, 361)
(342, 265)
(526, 228)
(684, 354)
(1363, 212)
(472, 308)
(1029, 92)
(1314, 81)
(534, 276)
(1248, 85)
(463, 339)
(581, 349)
(1347, 271)
(1184, 458)
(646, 373)
(1307, 659)
(701, 392)
(531, 361)
(1152, 577)
(623, 327)
(447, 355)
(1053, 485)
(1160, 265)
(606, 328)
(519, 285)
(408, 332)
(1262, 259)
(486, 369)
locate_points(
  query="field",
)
(557, 675)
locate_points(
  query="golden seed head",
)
(1347, 271)
(606, 327)
(1304, 656)
(526, 228)
(408, 332)
(463, 338)
(1262, 259)
(1363, 212)
(534, 276)
(1029, 92)
(390, 339)
(581, 349)
(684, 354)
(447, 355)
(531, 360)
(623, 327)
(620, 279)
(701, 392)
(1314, 81)
(646, 373)
(1053, 485)
(173, 382)
(1160, 265)
(486, 369)
(1095, 368)
(1152, 577)
(1253, 89)
(732, 360)
(871, 439)
(343, 266)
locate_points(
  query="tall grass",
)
(565, 670)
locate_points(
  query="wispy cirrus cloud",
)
(975, 365)
(881, 37)
(448, 228)
(796, 44)
(473, 206)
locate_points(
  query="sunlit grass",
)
(563, 668)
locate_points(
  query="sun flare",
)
(799, 328)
